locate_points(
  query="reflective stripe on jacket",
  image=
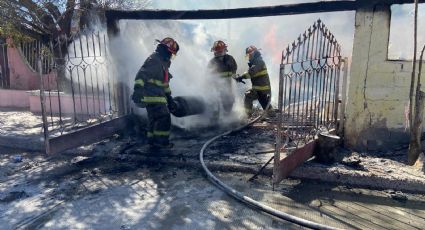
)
(152, 80)
(224, 66)
(258, 74)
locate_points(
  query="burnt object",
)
(326, 147)
(187, 106)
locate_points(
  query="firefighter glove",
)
(172, 105)
(136, 97)
(239, 78)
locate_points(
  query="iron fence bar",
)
(108, 79)
(303, 80)
(5, 67)
(92, 91)
(43, 109)
(50, 100)
(307, 75)
(279, 126)
(330, 82)
(343, 97)
(317, 57)
(331, 91)
(289, 100)
(85, 89)
(315, 89)
(57, 85)
(325, 85)
(100, 43)
(73, 92)
(325, 76)
(336, 88)
(316, 54)
(93, 44)
(310, 93)
(303, 123)
(333, 77)
(87, 46)
(298, 85)
(79, 89)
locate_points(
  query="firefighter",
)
(223, 66)
(257, 72)
(152, 91)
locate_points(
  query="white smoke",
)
(195, 37)
(189, 69)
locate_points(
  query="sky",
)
(401, 31)
(271, 34)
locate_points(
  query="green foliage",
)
(10, 31)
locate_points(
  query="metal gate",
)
(309, 90)
(78, 90)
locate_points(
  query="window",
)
(401, 31)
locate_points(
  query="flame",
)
(271, 44)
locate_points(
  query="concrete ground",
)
(82, 192)
(121, 184)
(101, 187)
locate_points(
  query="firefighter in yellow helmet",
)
(257, 72)
(152, 91)
(223, 66)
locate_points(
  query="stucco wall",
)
(22, 77)
(14, 98)
(378, 89)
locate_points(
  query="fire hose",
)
(245, 199)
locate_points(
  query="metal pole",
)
(279, 128)
(343, 97)
(43, 110)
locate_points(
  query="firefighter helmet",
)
(171, 45)
(250, 49)
(219, 46)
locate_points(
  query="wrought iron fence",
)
(30, 51)
(80, 81)
(309, 84)
(4, 66)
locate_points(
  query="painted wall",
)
(83, 106)
(378, 89)
(14, 98)
(23, 77)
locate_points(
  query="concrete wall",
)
(14, 98)
(83, 106)
(378, 89)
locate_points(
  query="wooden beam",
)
(233, 13)
(289, 9)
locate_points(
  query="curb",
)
(360, 179)
(23, 143)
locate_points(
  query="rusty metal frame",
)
(308, 99)
(88, 135)
(98, 100)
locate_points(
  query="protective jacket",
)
(258, 74)
(152, 81)
(225, 66)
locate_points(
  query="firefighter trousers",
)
(159, 124)
(227, 100)
(251, 95)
